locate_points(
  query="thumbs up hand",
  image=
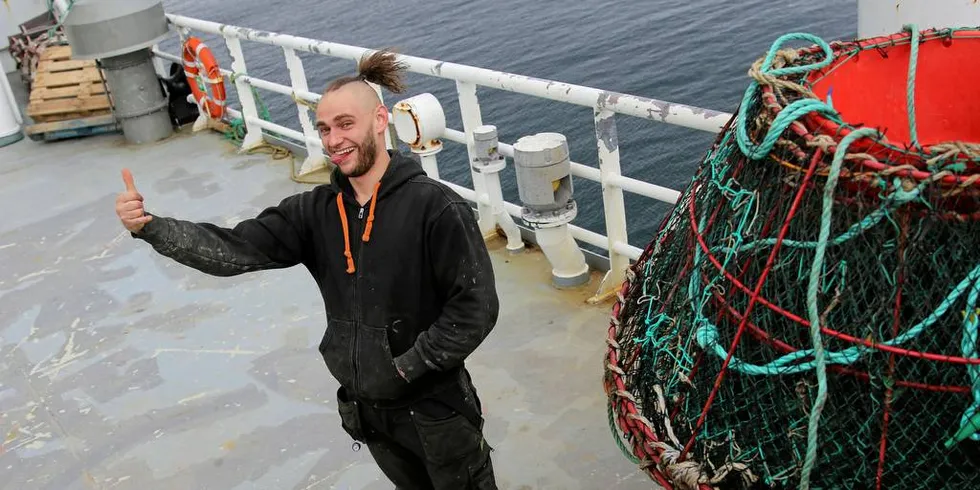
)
(129, 205)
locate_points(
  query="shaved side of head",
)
(366, 97)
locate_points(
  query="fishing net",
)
(807, 314)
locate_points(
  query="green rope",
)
(970, 422)
(910, 83)
(619, 440)
(793, 111)
(812, 309)
(236, 127)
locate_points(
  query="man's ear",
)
(380, 119)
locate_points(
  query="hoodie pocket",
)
(337, 351)
(377, 376)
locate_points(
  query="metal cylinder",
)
(138, 99)
(485, 143)
(486, 155)
(419, 121)
(104, 28)
(544, 179)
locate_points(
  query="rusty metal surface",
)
(120, 369)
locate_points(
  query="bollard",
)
(544, 181)
(419, 122)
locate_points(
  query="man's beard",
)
(365, 157)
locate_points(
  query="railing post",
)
(315, 159)
(253, 134)
(469, 109)
(612, 202)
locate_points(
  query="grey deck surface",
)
(120, 369)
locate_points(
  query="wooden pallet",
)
(68, 98)
(65, 89)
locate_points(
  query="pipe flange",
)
(549, 219)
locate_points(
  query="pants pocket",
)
(350, 417)
(456, 454)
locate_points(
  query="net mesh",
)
(714, 373)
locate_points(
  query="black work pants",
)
(427, 445)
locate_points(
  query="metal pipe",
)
(430, 164)
(138, 101)
(642, 107)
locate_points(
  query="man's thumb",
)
(128, 180)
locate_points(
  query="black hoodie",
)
(406, 279)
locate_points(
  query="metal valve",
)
(544, 179)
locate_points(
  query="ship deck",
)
(120, 369)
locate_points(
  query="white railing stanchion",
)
(315, 159)
(612, 203)
(253, 134)
(469, 109)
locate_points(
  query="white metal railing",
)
(605, 105)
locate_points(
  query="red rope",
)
(899, 283)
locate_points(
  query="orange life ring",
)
(209, 88)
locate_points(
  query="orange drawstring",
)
(370, 221)
(367, 229)
(343, 221)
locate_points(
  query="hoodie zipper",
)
(357, 310)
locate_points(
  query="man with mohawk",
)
(405, 277)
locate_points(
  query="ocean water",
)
(694, 52)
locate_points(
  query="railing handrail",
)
(604, 104)
(627, 104)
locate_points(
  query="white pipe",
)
(567, 260)
(652, 191)
(430, 165)
(514, 241)
(628, 250)
(642, 107)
